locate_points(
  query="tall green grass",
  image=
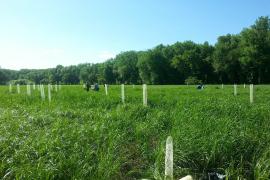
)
(88, 135)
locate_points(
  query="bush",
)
(193, 80)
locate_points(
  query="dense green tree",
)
(227, 58)
(56, 74)
(89, 73)
(255, 46)
(240, 58)
(108, 72)
(207, 74)
(193, 60)
(125, 65)
(153, 66)
(3, 77)
(70, 75)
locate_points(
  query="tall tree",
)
(89, 73)
(108, 73)
(125, 65)
(70, 75)
(153, 66)
(243, 57)
(227, 58)
(255, 44)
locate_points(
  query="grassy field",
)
(88, 135)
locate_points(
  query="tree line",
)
(238, 58)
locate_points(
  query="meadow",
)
(88, 135)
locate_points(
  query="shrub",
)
(193, 80)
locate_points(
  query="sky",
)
(37, 34)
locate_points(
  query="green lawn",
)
(88, 135)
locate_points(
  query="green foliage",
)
(70, 75)
(125, 65)
(227, 59)
(108, 72)
(240, 58)
(192, 80)
(87, 135)
(153, 66)
(255, 47)
(88, 73)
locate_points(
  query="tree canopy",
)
(239, 58)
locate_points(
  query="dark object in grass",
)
(200, 86)
(216, 176)
(95, 87)
(87, 86)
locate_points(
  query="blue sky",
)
(43, 34)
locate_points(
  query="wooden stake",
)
(144, 95)
(235, 89)
(28, 89)
(187, 178)
(123, 92)
(169, 159)
(49, 92)
(251, 93)
(42, 93)
(10, 88)
(18, 88)
(106, 89)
